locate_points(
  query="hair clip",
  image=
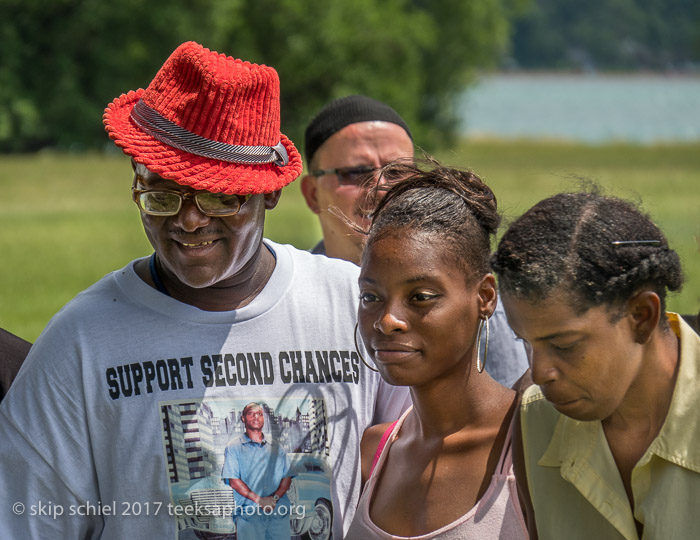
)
(636, 243)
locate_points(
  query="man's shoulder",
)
(92, 304)
(315, 263)
(95, 293)
(13, 346)
(13, 351)
(319, 249)
(236, 442)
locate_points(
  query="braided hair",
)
(602, 249)
(452, 203)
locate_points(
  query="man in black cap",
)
(349, 138)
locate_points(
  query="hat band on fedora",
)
(159, 127)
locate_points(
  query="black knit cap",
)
(342, 112)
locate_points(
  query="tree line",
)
(657, 35)
(62, 61)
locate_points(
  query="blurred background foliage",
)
(659, 35)
(62, 61)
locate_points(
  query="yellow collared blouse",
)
(575, 486)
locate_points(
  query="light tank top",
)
(497, 515)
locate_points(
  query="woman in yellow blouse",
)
(611, 432)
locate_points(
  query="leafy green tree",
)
(63, 61)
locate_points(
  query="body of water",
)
(586, 108)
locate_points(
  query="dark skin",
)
(592, 366)
(518, 456)
(212, 263)
(448, 447)
(632, 429)
(13, 351)
(432, 478)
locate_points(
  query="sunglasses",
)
(348, 176)
(166, 202)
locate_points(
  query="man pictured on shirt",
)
(259, 472)
(126, 398)
(347, 139)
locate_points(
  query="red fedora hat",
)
(207, 121)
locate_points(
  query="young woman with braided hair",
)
(444, 470)
(611, 432)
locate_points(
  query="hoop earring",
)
(479, 364)
(357, 350)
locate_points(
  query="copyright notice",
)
(113, 508)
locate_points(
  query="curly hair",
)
(602, 249)
(454, 204)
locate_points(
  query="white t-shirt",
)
(127, 401)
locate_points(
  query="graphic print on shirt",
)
(248, 466)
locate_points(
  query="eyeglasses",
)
(347, 176)
(166, 202)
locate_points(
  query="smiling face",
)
(365, 143)
(586, 363)
(418, 312)
(201, 251)
(253, 418)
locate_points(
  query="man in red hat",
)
(119, 424)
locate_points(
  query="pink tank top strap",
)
(382, 444)
(505, 462)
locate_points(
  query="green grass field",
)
(67, 220)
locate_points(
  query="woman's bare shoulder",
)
(368, 447)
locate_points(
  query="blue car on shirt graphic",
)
(206, 506)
